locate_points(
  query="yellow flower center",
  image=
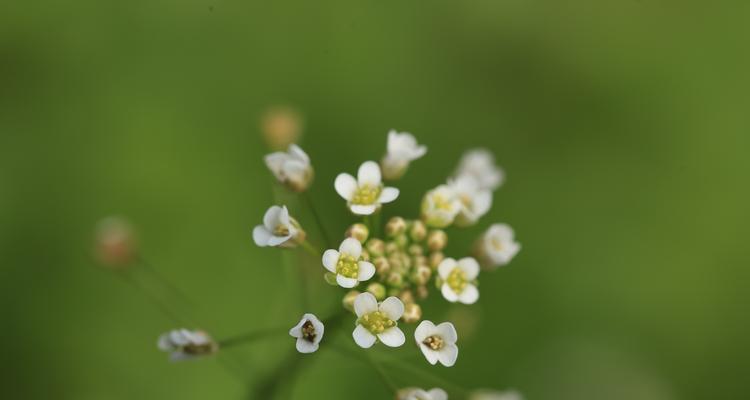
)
(434, 342)
(347, 266)
(366, 194)
(497, 244)
(376, 322)
(457, 280)
(441, 203)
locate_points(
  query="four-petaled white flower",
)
(347, 264)
(480, 164)
(497, 246)
(309, 333)
(458, 279)
(438, 343)
(184, 344)
(475, 201)
(402, 149)
(278, 229)
(495, 395)
(420, 394)
(365, 194)
(378, 321)
(440, 206)
(292, 168)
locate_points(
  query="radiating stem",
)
(250, 337)
(318, 220)
(311, 249)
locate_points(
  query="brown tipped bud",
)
(359, 232)
(406, 296)
(377, 290)
(299, 237)
(365, 255)
(382, 266)
(401, 241)
(395, 227)
(115, 245)
(415, 250)
(281, 126)
(418, 231)
(421, 261)
(348, 300)
(436, 258)
(421, 275)
(395, 279)
(422, 292)
(391, 248)
(396, 263)
(437, 240)
(412, 313)
(375, 247)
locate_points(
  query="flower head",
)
(378, 321)
(420, 394)
(292, 168)
(402, 149)
(115, 244)
(480, 164)
(183, 344)
(438, 343)
(475, 200)
(365, 194)
(309, 332)
(440, 206)
(278, 229)
(458, 280)
(497, 246)
(347, 263)
(495, 395)
(281, 126)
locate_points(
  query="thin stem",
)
(376, 220)
(147, 266)
(310, 249)
(125, 275)
(367, 359)
(318, 220)
(249, 337)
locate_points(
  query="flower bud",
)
(395, 279)
(365, 256)
(420, 261)
(412, 313)
(348, 300)
(436, 258)
(496, 247)
(421, 275)
(440, 207)
(406, 297)
(418, 231)
(402, 149)
(391, 248)
(437, 240)
(401, 241)
(115, 243)
(382, 266)
(291, 168)
(377, 290)
(281, 126)
(359, 232)
(395, 227)
(375, 247)
(415, 250)
(422, 292)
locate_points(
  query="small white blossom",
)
(438, 343)
(440, 206)
(475, 201)
(292, 168)
(347, 263)
(495, 395)
(458, 280)
(402, 149)
(183, 344)
(378, 321)
(480, 163)
(309, 332)
(497, 246)
(278, 229)
(365, 194)
(420, 394)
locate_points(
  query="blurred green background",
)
(622, 126)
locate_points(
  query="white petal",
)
(424, 329)
(319, 327)
(470, 266)
(361, 209)
(275, 162)
(369, 174)
(330, 259)
(261, 236)
(482, 203)
(365, 303)
(392, 307)
(296, 331)
(430, 354)
(445, 267)
(469, 295)
(351, 247)
(297, 152)
(448, 293)
(388, 195)
(437, 394)
(366, 270)
(448, 355)
(164, 344)
(304, 346)
(284, 216)
(277, 240)
(345, 185)
(179, 337)
(345, 282)
(447, 331)
(363, 337)
(392, 337)
(271, 218)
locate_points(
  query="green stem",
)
(249, 337)
(311, 249)
(318, 220)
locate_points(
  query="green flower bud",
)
(412, 313)
(422, 292)
(391, 248)
(406, 296)
(436, 258)
(415, 250)
(382, 266)
(401, 241)
(395, 279)
(395, 227)
(359, 232)
(437, 240)
(377, 290)
(375, 247)
(348, 300)
(418, 231)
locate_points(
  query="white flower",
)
(308, 332)
(438, 343)
(458, 279)
(497, 246)
(278, 229)
(475, 201)
(378, 321)
(495, 395)
(347, 264)
(480, 163)
(185, 344)
(402, 149)
(292, 168)
(440, 206)
(419, 394)
(365, 194)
